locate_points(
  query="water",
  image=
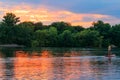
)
(58, 64)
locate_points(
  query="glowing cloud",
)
(47, 15)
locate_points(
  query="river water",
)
(58, 64)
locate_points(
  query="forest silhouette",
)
(57, 34)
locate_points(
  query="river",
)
(58, 64)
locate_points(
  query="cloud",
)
(47, 15)
(106, 7)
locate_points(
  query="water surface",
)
(58, 64)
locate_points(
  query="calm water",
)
(58, 64)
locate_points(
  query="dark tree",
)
(102, 27)
(104, 30)
(61, 26)
(65, 39)
(87, 38)
(10, 19)
(115, 35)
(78, 28)
(38, 26)
(26, 24)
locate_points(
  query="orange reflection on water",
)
(35, 55)
(46, 54)
(42, 66)
(1, 55)
(21, 54)
(32, 67)
(2, 65)
(73, 54)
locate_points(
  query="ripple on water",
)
(60, 68)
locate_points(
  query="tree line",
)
(57, 34)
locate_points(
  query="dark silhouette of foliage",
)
(10, 19)
(58, 34)
(38, 26)
(61, 26)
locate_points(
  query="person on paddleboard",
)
(109, 50)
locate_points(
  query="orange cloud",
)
(47, 16)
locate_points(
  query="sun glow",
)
(47, 15)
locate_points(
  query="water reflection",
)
(53, 65)
(32, 66)
(2, 73)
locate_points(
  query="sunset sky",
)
(77, 12)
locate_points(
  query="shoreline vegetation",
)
(14, 33)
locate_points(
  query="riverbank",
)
(11, 45)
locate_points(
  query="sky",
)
(76, 12)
